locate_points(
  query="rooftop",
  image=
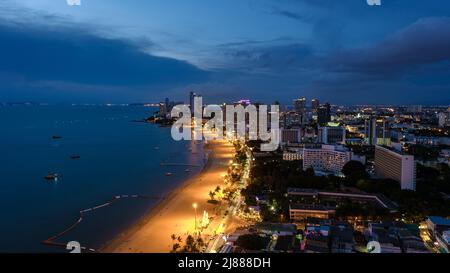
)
(440, 221)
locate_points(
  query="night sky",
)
(115, 51)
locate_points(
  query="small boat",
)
(187, 170)
(168, 174)
(75, 157)
(56, 137)
(51, 177)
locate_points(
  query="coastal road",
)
(228, 221)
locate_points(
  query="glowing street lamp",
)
(195, 208)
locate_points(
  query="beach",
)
(175, 214)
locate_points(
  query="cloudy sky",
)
(344, 52)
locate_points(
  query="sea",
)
(118, 156)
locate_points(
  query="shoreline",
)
(151, 233)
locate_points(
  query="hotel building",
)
(394, 165)
(328, 158)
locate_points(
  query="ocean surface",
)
(117, 157)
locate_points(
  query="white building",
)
(394, 165)
(443, 119)
(292, 156)
(414, 109)
(328, 158)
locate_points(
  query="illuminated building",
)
(328, 158)
(394, 165)
(315, 104)
(331, 134)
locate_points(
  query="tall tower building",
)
(191, 100)
(192, 97)
(324, 114)
(162, 110)
(300, 105)
(315, 104)
(371, 131)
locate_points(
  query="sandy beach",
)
(175, 214)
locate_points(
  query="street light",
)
(195, 208)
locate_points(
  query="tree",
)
(352, 167)
(212, 195)
(423, 152)
(191, 245)
(251, 242)
(354, 171)
(176, 243)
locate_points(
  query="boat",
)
(75, 157)
(187, 170)
(168, 174)
(51, 177)
(56, 137)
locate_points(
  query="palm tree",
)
(212, 195)
(175, 247)
(200, 242)
(191, 245)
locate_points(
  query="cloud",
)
(425, 42)
(270, 57)
(58, 53)
(291, 15)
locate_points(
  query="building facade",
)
(291, 135)
(394, 165)
(331, 135)
(328, 158)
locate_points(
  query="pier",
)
(52, 240)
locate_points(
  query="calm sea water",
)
(118, 157)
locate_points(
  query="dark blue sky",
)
(344, 52)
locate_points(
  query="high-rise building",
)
(328, 158)
(371, 131)
(331, 134)
(169, 105)
(443, 119)
(300, 105)
(162, 110)
(394, 165)
(414, 109)
(191, 100)
(192, 96)
(315, 104)
(324, 114)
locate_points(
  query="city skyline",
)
(342, 52)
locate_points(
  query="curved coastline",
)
(173, 214)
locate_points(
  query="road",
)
(227, 220)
